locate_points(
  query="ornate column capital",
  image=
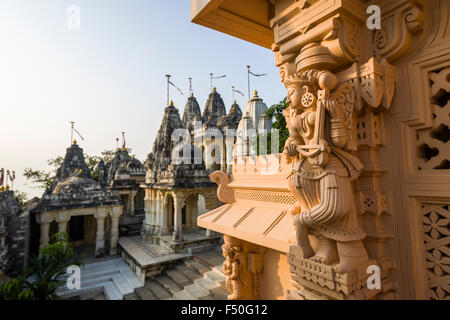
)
(179, 198)
(62, 217)
(116, 212)
(101, 213)
(45, 217)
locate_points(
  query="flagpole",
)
(168, 77)
(190, 86)
(232, 90)
(71, 132)
(211, 78)
(248, 81)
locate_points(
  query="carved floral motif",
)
(436, 229)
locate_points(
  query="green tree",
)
(275, 112)
(93, 161)
(43, 179)
(45, 274)
(21, 197)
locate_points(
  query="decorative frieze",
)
(312, 280)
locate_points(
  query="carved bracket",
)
(224, 193)
(399, 23)
(243, 266)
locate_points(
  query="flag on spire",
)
(235, 90)
(179, 90)
(212, 77)
(253, 74)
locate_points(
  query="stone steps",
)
(158, 290)
(188, 272)
(113, 277)
(201, 268)
(169, 284)
(179, 277)
(189, 279)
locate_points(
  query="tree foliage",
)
(43, 179)
(257, 142)
(45, 273)
(275, 112)
(21, 197)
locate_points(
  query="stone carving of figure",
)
(320, 140)
(234, 269)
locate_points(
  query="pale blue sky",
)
(108, 76)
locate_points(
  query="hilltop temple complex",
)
(144, 212)
(355, 207)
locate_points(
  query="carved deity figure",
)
(319, 119)
(234, 269)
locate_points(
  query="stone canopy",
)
(77, 192)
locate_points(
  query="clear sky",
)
(108, 76)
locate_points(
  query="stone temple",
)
(79, 205)
(124, 174)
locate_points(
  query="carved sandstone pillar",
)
(44, 219)
(147, 222)
(178, 222)
(154, 204)
(158, 211)
(194, 210)
(115, 215)
(164, 216)
(62, 218)
(188, 212)
(333, 72)
(100, 216)
(131, 199)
